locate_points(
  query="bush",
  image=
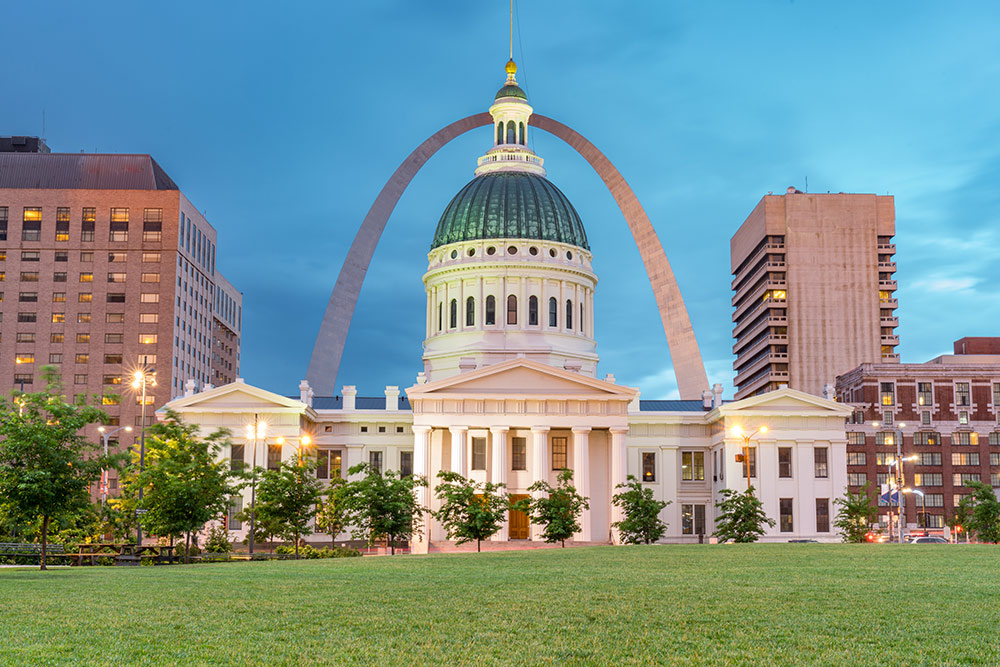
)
(309, 551)
(218, 541)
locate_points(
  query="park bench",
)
(30, 549)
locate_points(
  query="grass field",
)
(779, 604)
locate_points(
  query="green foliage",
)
(217, 541)
(983, 512)
(185, 481)
(558, 511)
(856, 513)
(382, 506)
(741, 517)
(958, 521)
(287, 499)
(470, 511)
(46, 465)
(330, 512)
(640, 522)
(309, 551)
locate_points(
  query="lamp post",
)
(739, 433)
(897, 436)
(142, 379)
(921, 510)
(104, 472)
(254, 431)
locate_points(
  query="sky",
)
(282, 122)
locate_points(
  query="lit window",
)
(692, 519)
(58, 318)
(692, 466)
(149, 318)
(117, 277)
(25, 358)
(559, 453)
(82, 318)
(649, 466)
(150, 257)
(150, 277)
(147, 339)
(86, 277)
(888, 393)
(149, 297)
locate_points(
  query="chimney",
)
(634, 405)
(706, 399)
(189, 388)
(829, 393)
(207, 387)
(466, 364)
(421, 378)
(391, 397)
(240, 381)
(610, 378)
(305, 393)
(716, 395)
(350, 393)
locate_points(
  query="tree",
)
(469, 510)
(983, 512)
(330, 512)
(640, 522)
(741, 517)
(856, 513)
(382, 506)
(185, 481)
(46, 464)
(958, 520)
(558, 510)
(287, 499)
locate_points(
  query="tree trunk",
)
(187, 549)
(479, 545)
(296, 546)
(392, 546)
(564, 543)
(45, 539)
(171, 549)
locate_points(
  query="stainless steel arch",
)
(329, 349)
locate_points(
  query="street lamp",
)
(739, 433)
(254, 431)
(19, 380)
(104, 472)
(921, 510)
(897, 436)
(142, 379)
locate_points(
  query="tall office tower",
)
(813, 290)
(227, 320)
(107, 268)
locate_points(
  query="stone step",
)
(448, 546)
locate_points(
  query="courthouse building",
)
(509, 389)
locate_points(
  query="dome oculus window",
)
(569, 254)
(454, 254)
(472, 252)
(533, 250)
(491, 250)
(552, 252)
(512, 250)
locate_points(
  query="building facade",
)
(227, 323)
(944, 415)
(106, 268)
(813, 290)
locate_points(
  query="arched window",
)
(569, 314)
(453, 314)
(440, 316)
(491, 309)
(533, 310)
(511, 128)
(581, 317)
(500, 132)
(553, 312)
(511, 309)
(521, 132)
(470, 312)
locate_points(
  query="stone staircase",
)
(447, 546)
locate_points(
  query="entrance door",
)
(518, 521)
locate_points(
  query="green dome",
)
(510, 205)
(511, 90)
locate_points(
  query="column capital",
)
(582, 429)
(619, 430)
(541, 429)
(421, 428)
(499, 429)
(457, 430)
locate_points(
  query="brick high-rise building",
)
(813, 290)
(106, 267)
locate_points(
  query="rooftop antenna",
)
(511, 29)
(43, 124)
(807, 184)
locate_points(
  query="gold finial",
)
(511, 67)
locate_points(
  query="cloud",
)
(662, 384)
(947, 284)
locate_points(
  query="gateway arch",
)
(324, 363)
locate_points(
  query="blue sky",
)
(282, 123)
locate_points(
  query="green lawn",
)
(797, 603)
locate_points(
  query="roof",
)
(510, 205)
(360, 402)
(672, 406)
(511, 90)
(82, 171)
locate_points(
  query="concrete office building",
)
(105, 267)
(813, 290)
(227, 321)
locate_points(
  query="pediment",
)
(786, 402)
(522, 378)
(235, 396)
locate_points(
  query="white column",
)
(498, 435)
(581, 476)
(458, 449)
(421, 468)
(539, 466)
(619, 469)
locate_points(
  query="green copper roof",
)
(510, 205)
(511, 90)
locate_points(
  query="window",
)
(822, 515)
(80, 378)
(117, 256)
(887, 418)
(86, 277)
(519, 454)
(114, 318)
(112, 379)
(964, 438)
(152, 225)
(883, 458)
(31, 229)
(692, 466)
(785, 523)
(323, 464)
(963, 418)
(58, 297)
(114, 338)
(995, 458)
(150, 257)
(23, 378)
(85, 297)
(881, 478)
(29, 276)
(375, 460)
(692, 519)
(996, 395)
(62, 223)
(406, 464)
(857, 479)
(569, 314)
(33, 317)
(926, 438)
(149, 318)
(28, 297)
(147, 339)
(932, 500)
(116, 297)
(3, 223)
(149, 278)
(453, 314)
(479, 453)
(888, 393)
(31, 256)
(56, 338)
(962, 393)
(149, 297)
(856, 459)
(532, 310)
(112, 358)
(928, 459)
(995, 439)
(470, 312)
(820, 462)
(55, 358)
(925, 418)
(855, 438)
(119, 225)
(885, 438)
(83, 338)
(922, 479)
(273, 457)
(235, 507)
(491, 310)
(965, 458)
(24, 358)
(784, 461)
(511, 309)
(649, 466)
(559, 453)
(116, 277)
(62, 256)
(924, 394)
(750, 462)
(960, 478)
(553, 312)
(82, 318)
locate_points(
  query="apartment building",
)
(946, 414)
(226, 324)
(813, 290)
(105, 268)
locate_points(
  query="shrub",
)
(218, 540)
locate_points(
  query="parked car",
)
(930, 539)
